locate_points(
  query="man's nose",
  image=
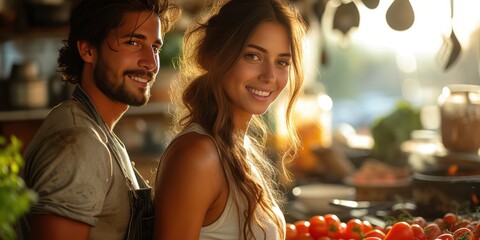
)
(149, 60)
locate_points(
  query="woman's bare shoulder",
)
(192, 150)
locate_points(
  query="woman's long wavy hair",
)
(211, 48)
(92, 20)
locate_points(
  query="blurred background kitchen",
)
(379, 97)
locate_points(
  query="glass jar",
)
(460, 117)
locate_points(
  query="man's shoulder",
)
(69, 110)
(67, 125)
(68, 116)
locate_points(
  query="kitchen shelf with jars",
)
(41, 113)
(30, 86)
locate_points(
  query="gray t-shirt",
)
(69, 165)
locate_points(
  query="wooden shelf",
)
(33, 33)
(38, 114)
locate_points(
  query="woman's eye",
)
(252, 56)
(284, 63)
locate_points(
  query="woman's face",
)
(261, 73)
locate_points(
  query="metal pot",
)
(27, 90)
(437, 193)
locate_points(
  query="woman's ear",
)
(85, 50)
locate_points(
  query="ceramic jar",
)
(460, 117)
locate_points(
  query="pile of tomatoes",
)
(329, 227)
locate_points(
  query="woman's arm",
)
(189, 188)
(53, 227)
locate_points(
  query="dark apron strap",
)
(142, 217)
(141, 200)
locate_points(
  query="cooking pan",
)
(436, 192)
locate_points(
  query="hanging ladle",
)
(319, 10)
(371, 4)
(346, 18)
(451, 47)
(400, 15)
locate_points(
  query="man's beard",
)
(116, 89)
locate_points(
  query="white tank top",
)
(229, 226)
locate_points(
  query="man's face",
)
(128, 59)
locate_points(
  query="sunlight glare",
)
(425, 36)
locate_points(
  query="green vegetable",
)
(390, 131)
(15, 197)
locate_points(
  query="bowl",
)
(377, 191)
(316, 197)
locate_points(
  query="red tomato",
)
(476, 231)
(449, 219)
(333, 224)
(400, 231)
(387, 229)
(372, 238)
(420, 221)
(367, 227)
(463, 223)
(432, 231)
(464, 234)
(318, 226)
(302, 227)
(291, 232)
(323, 238)
(445, 236)
(418, 232)
(341, 230)
(441, 224)
(375, 233)
(305, 236)
(353, 229)
(381, 229)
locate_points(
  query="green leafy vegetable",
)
(390, 131)
(15, 197)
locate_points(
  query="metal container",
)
(436, 192)
(460, 117)
(27, 90)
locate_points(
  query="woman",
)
(213, 181)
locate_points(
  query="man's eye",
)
(157, 49)
(133, 43)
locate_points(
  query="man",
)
(87, 187)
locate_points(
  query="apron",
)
(141, 200)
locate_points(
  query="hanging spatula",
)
(451, 47)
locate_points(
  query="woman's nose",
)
(268, 72)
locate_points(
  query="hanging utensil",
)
(346, 17)
(371, 4)
(451, 47)
(319, 9)
(400, 15)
